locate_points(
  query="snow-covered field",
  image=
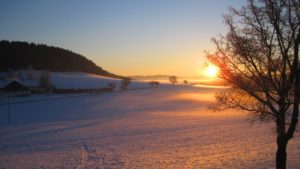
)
(165, 127)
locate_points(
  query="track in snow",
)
(85, 155)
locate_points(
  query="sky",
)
(125, 37)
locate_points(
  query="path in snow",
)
(85, 155)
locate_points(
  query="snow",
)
(165, 127)
(80, 80)
(74, 80)
(77, 80)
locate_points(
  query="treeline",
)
(19, 55)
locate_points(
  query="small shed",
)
(16, 88)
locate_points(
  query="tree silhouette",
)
(259, 57)
(185, 82)
(30, 73)
(173, 80)
(124, 84)
(45, 80)
(18, 55)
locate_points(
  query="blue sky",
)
(127, 37)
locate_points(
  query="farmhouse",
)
(16, 88)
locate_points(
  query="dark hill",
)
(19, 55)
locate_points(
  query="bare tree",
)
(124, 83)
(20, 76)
(45, 81)
(259, 57)
(30, 73)
(185, 82)
(173, 80)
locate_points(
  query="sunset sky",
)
(126, 37)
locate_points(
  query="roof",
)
(14, 86)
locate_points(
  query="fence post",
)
(8, 109)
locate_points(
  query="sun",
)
(211, 70)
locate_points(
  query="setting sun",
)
(211, 70)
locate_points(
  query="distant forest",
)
(19, 55)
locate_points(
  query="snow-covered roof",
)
(26, 83)
(14, 86)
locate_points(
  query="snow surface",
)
(81, 80)
(165, 127)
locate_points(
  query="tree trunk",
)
(281, 152)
